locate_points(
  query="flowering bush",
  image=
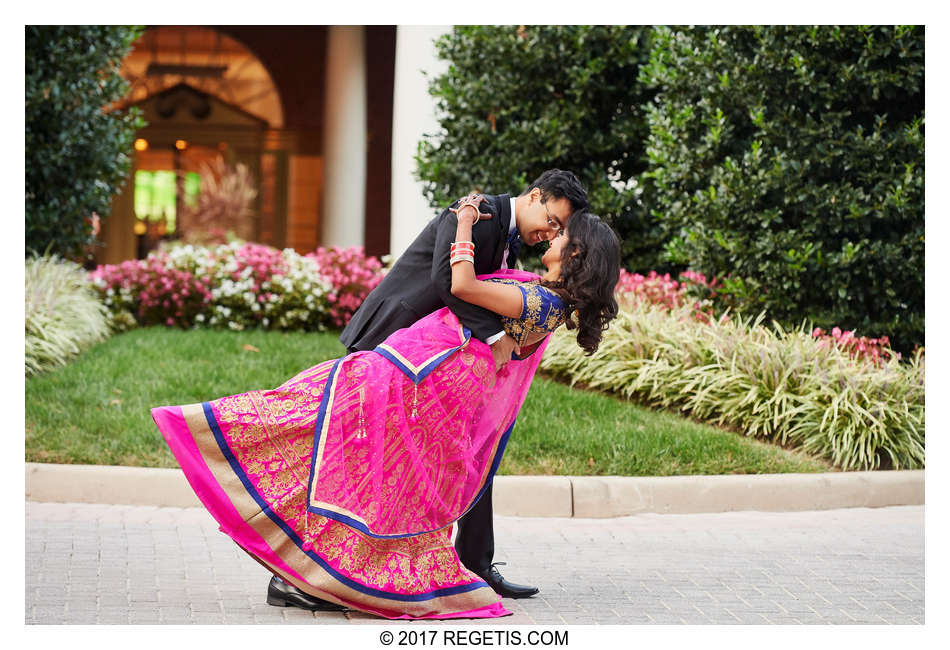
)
(262, 287)
(654, 288)
(877, 350)
(669, 294)
(352, 274)
(150, 291)
(237, 285)
(663, 291)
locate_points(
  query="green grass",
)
(96, 410)
(571, 431)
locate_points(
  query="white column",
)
(413, 116)
(344, 138)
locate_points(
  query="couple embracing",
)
(344, 482)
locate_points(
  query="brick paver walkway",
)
(140, 564)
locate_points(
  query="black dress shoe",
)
(281, 594)
(502, 587)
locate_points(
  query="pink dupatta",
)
(345, 479)
(408, 446)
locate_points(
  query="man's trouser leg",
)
(475, 539)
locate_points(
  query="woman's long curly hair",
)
(590, 270)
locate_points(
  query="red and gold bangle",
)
(462, 246)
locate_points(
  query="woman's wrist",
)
(469, 206)
(468, 214)
(461, 251)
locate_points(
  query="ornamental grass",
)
(63, 314)
(784, 386)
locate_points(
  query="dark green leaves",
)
(77, 155)
(803, 174)
(518, 100)
(787, 157)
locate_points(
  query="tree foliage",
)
(792, 160)
(518, 100)
(77, 153)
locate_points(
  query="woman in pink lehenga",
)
(345, 480)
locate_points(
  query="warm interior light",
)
(180, 144)
(139, 227)
(141, 144)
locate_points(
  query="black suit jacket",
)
(420, 280)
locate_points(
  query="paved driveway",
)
(141, 564)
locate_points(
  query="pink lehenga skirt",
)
(345, 480)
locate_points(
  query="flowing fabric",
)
(345, 480)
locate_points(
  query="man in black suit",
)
(419, 283)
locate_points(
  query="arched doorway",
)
(207, 60)
(270, 82)
(204, 95)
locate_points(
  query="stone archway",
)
(207, 60)
(204, 95)
(284, 117)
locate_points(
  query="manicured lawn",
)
(564, 430)
(96, 410)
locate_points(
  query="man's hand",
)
(501, 350)
(469, 206)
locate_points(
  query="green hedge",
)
(516, 101)
(783, 386)
(77, 154)
(792, 160)
(787, 161)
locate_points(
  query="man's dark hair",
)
(560, 184)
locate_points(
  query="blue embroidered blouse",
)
(541, 312)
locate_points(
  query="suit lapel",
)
(504, 223)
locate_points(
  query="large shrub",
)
(792, 160)
(77, 153)
(63, 313)
(518, 100)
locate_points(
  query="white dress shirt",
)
(504, 264)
